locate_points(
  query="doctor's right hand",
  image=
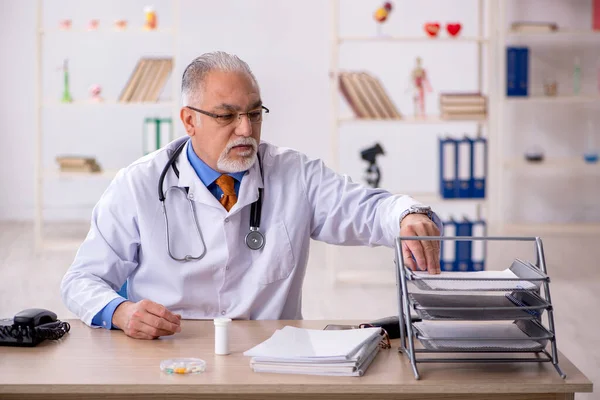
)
(146, 320)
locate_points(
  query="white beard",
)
(246, 160)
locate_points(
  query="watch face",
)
(421, 209)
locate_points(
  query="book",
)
(366, 96)
(147, 80)
(316, 352)
(77, 164)
(533, 27)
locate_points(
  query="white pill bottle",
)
(222, 335)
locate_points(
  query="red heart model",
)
(432, 28)
(453, 29)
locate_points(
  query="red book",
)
(596, 15)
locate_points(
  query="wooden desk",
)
(95, 363)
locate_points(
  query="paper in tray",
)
(474, 336)
(520, 276)
(509, 306)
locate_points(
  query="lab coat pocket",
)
(275, 261)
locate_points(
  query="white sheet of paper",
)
(495, 284)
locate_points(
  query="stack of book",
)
(533, 27)
(466, 106)
(366, 96)
(294, 350)
(77, 164)
(147, 80)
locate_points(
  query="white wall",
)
(287, 45)
(559, 194)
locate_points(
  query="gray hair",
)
(196, 71)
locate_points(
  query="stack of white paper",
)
(474, 280)
(316, 352)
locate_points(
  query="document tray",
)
(485, 315)
(510, 306)
(465, 337)
(520, 276)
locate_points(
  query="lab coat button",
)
(226, 219)
(191, 196)
(222, 312)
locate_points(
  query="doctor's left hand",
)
(426, 252)
(146, 320)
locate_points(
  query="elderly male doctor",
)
(223, 184)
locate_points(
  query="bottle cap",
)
(222, 321)
(183, 366)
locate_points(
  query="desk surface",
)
(99, 361)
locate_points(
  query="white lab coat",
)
(302, 199)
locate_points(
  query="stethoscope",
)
(255, 240)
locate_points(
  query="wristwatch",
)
(417, 209)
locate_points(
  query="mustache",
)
(242, 142)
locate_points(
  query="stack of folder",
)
(463, 167)
(465, 106)
(463, 255)
(294, 350)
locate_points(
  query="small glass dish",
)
(182, 366)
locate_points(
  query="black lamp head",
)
(371, 153)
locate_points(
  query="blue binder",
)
(463, 260)
(512, 83)
(464, 168)
(523, 71)
(448, 168)
(479, 249)
(478, 167)
(448, 247)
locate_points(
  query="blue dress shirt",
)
(208, 176)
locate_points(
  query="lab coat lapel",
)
(189, 178)
(248, 192)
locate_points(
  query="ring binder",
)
(507, 323)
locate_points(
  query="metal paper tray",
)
(510, 306)
(519, 336)
(528, 278)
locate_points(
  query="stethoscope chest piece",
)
(255, 240)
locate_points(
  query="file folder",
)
(463, 260)
(464, 167)
(479, 247)
(448, 168)
(478, 167)
(523, 71)
(512, 60)
(448, 247)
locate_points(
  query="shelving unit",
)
(486, 18)
(419, 39)
(41, 172)
(511, 165)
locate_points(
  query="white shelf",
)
(409, 120)
(108, 103)
(539, 229)
(554, 99)
(571, 163)
(420, 39)
(561, 33)
(57, 174)
(110, 31)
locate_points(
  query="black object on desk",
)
(389, 324)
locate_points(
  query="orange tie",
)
(229, 198)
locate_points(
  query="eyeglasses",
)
(254, 116)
